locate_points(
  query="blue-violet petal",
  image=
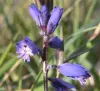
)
(35, 14)
(60, 85)
(26, 48)
(74, 71)
(56, 43)
(55, 16)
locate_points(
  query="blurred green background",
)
(79, 27)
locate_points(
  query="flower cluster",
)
(47, 22)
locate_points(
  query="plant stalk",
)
(44, 60)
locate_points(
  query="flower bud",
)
(56, 43)
(55, 16)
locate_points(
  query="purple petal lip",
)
(26, 48)
(55, 42)
(60, 85)
(74, 71)
(55, 16)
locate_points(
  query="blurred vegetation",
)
(81, 34)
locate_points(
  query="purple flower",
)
(47, 22)
(39, 16)
(74, 71)
(26, 48)
(35, 14)
(60, 85)
(55, 16)
(55, 42)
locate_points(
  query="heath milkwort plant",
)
(47, 22)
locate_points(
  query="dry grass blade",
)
(10, 71)
(96, 32)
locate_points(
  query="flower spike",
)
(47, 22)
(74, 71)
(26, 48)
